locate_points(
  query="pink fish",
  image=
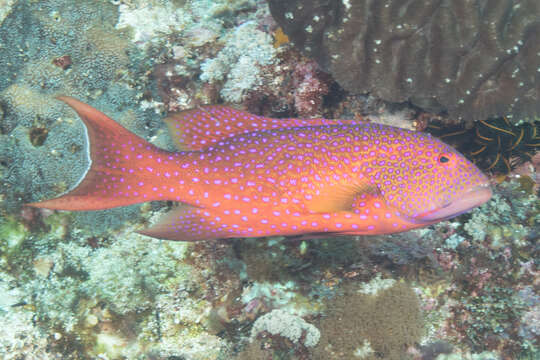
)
(243, 175)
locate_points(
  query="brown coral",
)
(63, 62)
(471, 58)
(386, 324)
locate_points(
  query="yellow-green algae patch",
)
(12, 234)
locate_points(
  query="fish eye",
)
(444, 159)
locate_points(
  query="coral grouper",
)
(242, 175)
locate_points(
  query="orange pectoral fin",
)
(356, 209)
(338, 197)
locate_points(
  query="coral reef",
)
(238, 63)
(34, 126)
(100, 301)
(199, 49)
(510, 218)
(279, 334)
(22, 339)
(486, 355)
(495, 312)
(493, 274)
(472, 59)
(85, 285)
(293, 85)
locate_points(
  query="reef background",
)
(84, 285)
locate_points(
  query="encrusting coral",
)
(473, 59)
(387, 321)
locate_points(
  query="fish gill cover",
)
(473, 59)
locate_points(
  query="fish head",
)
(432, 181)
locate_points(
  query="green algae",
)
(494, 315)
(12, 234)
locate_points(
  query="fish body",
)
(242, 175)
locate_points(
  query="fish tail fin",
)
(121, 170)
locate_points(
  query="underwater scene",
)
(269, 179)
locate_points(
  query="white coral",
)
(20, 339)
(283, 323)
(375, 285)
(246, 49)
(148, 20)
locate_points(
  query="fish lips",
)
(472, 198)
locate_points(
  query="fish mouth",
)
(472, 198)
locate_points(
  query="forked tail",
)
(124, 168)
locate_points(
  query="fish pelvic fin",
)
(121, 170)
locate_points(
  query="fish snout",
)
(471, 198)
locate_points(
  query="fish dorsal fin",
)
(340, 197)
(200, 128)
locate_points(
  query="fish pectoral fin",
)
(340, 197)
(185, 223)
